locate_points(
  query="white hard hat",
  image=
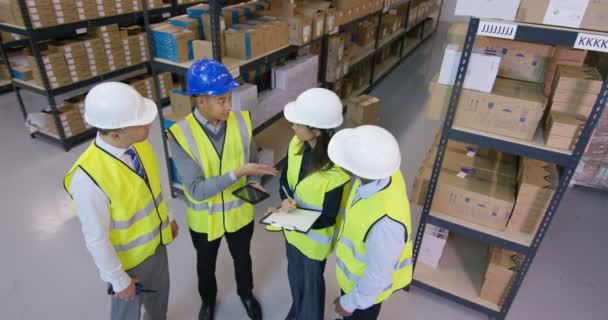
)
(317, 108)
(370, 152)
(115, 105)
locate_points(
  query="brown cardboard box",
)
(300, 30)
(574, 78)
(86, 9)
(472, 150)
(574, 97)
(281, 8)
(596, 14)
(536, 184)
(520, 60)
(191, 23)
(244, 42)
(569, 54)
(573, 109)
(477, 167)
(562, 130)
(513, 109)
(276, 138)
(181, 103)
(70, 117)
(318, 20)
(550, 75)
(363, 109)
(502, 266)
(206, 19)
(481, 202)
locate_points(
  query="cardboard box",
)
(480, 75)
(173, 43)
(186, 22)
(280, 8)
(181, 103)
(363, 109)
(477, 167)
(550, 75)
(481, 202)
(298, 75)
(562, 130)
(472, 150)
(433, 243)
(245, 97)
(590, 15)
(513, 109)
(537, 181)
(22, 73)
(70, 118)
(244, 42)
(569, 54)
(501, 269)
(276, 137)
(300, 30)
(520, 60)
(574, 78)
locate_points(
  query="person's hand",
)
(129, 293)
(255, 169)
(258, 186)
(174, 229)
(288, 205)
(340, 310)
(272, 210)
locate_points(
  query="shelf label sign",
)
(593, 42)
(497, 30)
(81, 31)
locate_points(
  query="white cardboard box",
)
(433, 242)
(491, 9)
(245, 97)
(481, 73)
(298, 75)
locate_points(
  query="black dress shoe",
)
(254, 310)
(207, 311)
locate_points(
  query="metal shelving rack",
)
(378, 74)
(34, 36)
(525, 244)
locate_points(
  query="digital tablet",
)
(251, 194)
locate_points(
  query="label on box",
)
(166, 15)
(68, 55)
(82, 16)
(35, 17)
(330, 22)
(593, 42)
(60, 20)
(33, 10)
(319, 27)
(335, 30)
(497, 30)
(72, 67)
(385, 9)
(31, 3)
(462, 174)
(58, 7)
(37, 24)
(567, 13)
(306, 33)
(471, 154)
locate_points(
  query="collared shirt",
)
(191, 174)
(93, 208)
(384, 243)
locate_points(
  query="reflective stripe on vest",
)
(223, 212)
(309, 194)
(351, 255)
(138, 213)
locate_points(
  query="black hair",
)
(320, 158)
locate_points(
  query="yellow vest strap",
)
(142, 240)
(189, 136)
(149, 209)
(351, 276)
(304, 205)
(319, 238)
(244, 135)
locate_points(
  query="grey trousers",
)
(307, 285)
(153, 274)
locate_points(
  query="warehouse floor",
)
(48, 274)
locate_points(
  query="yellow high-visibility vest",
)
(359, 218)
(316, 244)
(138, 212)
(223, 212)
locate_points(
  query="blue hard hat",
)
(209, 77)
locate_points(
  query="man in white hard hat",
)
(374, 249)
(115, 186)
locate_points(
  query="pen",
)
(286, 193)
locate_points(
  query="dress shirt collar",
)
(206, 122)
(116, 152)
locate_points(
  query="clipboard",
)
(299, 220)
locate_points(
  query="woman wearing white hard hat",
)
(116, 189)
(311, 181)
(374, 250)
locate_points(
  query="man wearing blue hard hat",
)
(215, 155)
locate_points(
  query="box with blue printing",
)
(173, 43)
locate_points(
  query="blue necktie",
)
(136, 163)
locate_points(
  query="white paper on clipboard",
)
(298, 220)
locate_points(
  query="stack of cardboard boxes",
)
(391, 23)
(86, 9)
(76, 58)
(70, 118)
(502, 266)
(363, 110)
(135, 45)
(112, 44)
(563, 56)
(172, 42)
(255, 38)
(127, 6)
(55, 66)
(106, 8)
(575, 89)
(336, 64)
(298, 75)
(421, 9)
(349, 10)
(98, 60)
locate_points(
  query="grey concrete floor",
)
(48, 274)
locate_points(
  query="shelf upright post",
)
(42, 69)
(215, 8)
(323, 61)
(376, 44)
(15, 88)
(462, 67)
(406, 19)
(158, 95)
